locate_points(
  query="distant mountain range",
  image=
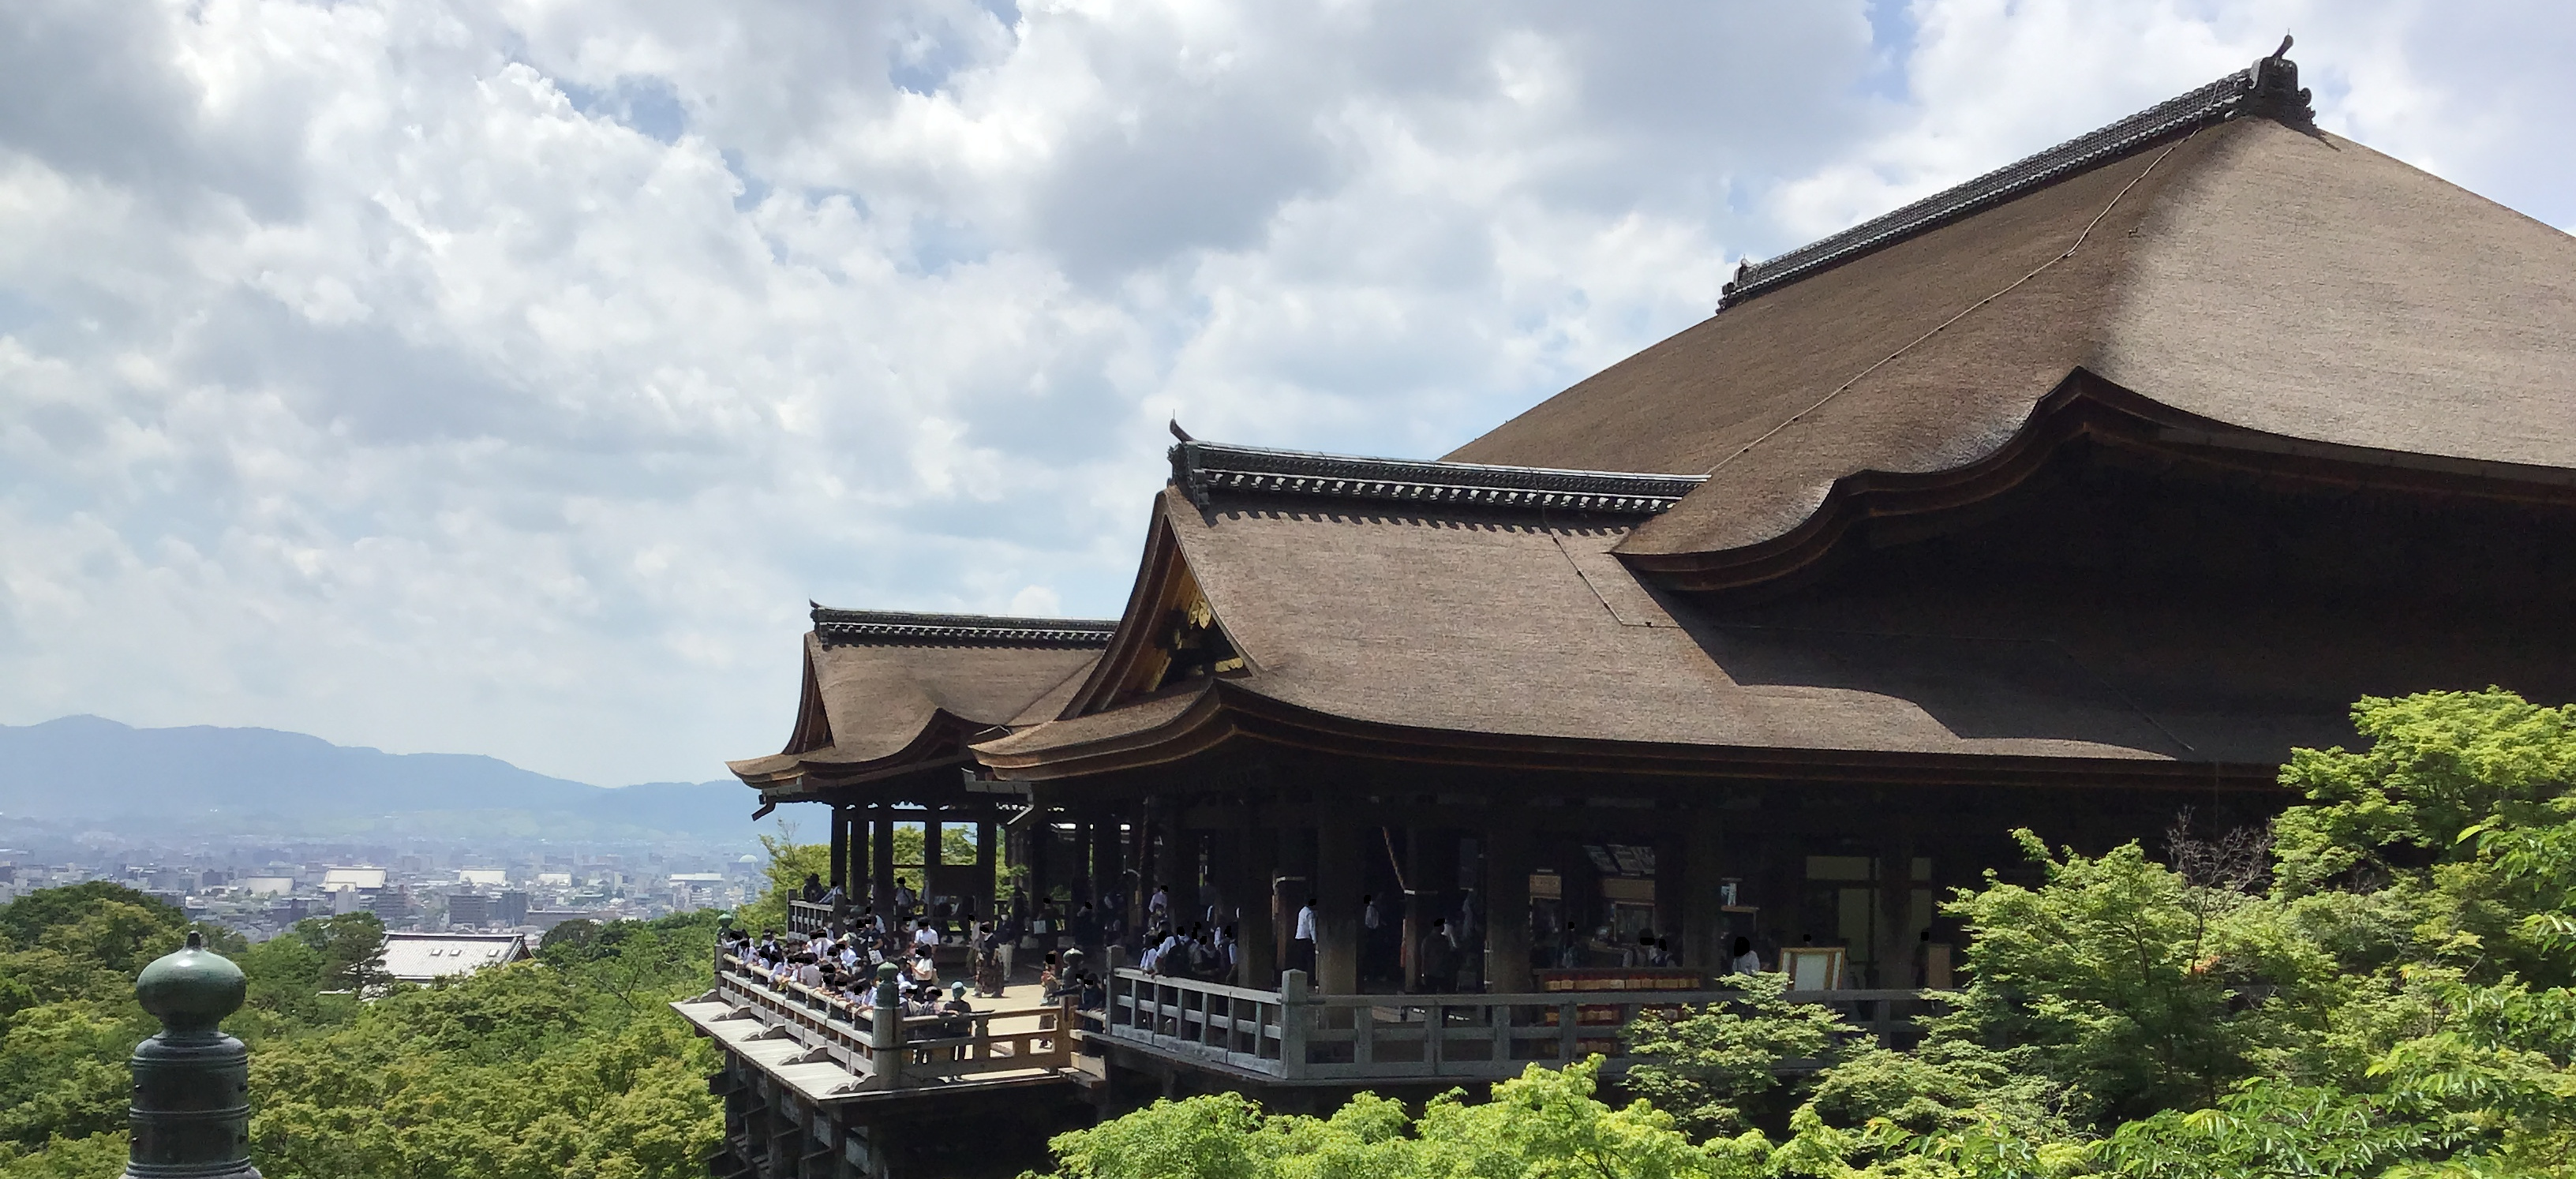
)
(83, 771)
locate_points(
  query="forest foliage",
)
(2378, 985)
(570, 1065)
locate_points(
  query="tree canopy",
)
(566, 1066)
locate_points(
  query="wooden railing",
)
(893, 1053)
(1294, 1035)
(809, 918)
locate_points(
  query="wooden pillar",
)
(1892, 951)
(1257, 951)
(1295, 881)
(881, 854)
(1703, 924)
(987, 866)
(1672, 868)
(1042, 863)
(1107, 864)
(1139, 884)
(856, 861)
(1507, 913)
(1337, 908)
(840, 853)
(1417, 922)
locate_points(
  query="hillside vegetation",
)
(570, 1065)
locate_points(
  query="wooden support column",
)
(1107, 866)
(1417, 921)
(840, 865)
(1893, 951)
(1040, 858)
(1292, 881)
(881, 861)
(1507, 915)
(1703, 923)
(856, 861)
(1257, 937)
(988, 868)
(1139, 885)
(1337, 908)
(1672, 891)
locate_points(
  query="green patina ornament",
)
(191, 1107)
(191, 990)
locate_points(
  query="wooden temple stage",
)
(2072, 499)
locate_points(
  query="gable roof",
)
(889, 690)
(2257, 274)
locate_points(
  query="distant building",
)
(470, 908)
(512, 906)
(367, 878)
(546, 919)
(482, 877)
(696, 890)
(267, 886)
(423, 957)
(392, 906)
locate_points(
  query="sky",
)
(505, 376)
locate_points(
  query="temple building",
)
(2072, 499)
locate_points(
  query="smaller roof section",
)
(889, 691)
(426, 957)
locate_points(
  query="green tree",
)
(532, 1070)
(1717, 1068)
(2113, 979)
(1544, 1124)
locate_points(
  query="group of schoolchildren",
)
(843, 971)
(1206, 951)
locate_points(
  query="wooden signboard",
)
(1813, 968)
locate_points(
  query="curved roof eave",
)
(2083, 405)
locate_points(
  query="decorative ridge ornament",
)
(1201, 469)
(2269, 89)
(191, 1108)
(905, 628)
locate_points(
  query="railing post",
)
(886, 1036)
(1117, 956)
(1293, 1015)
(1363, 1035)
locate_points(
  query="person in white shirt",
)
(1305, 937)
(924, 935)
(1745, 960)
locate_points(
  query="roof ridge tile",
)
(2268, 88)
(905, 626)
(1201, 469)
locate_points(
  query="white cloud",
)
(502, 376)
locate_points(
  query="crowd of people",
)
(1196, 942)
